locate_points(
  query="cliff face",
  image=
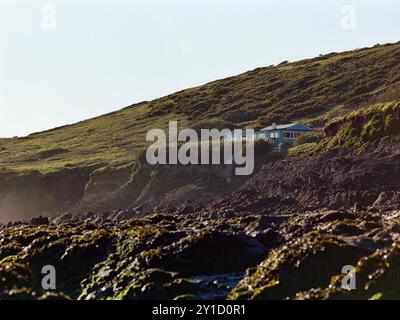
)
(334, 179)
(25, 195)
(90, 189)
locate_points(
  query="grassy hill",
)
(313, 91)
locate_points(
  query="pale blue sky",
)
(106, 54)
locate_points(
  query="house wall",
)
(280, 137)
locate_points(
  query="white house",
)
(283, 134)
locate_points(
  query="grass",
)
(306, 148)
(318, 120)
(312, 91)
(112, 139)
(360, 130)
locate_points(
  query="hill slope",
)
(96, 159)
(312, 90)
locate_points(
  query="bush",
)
(306, 148)
(310, 137)
(263, 147)
(372, 129)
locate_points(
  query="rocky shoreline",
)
(268, 240)
(175, 256)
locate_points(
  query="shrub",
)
(306, 148)
(389, 120)
(263, 147)
(372, 129)
(310, 137)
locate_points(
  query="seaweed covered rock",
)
(204, 255)
(169, 257)
(376, 277)
(305, 263)
(73, 251)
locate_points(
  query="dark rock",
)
(186, 210)
(38, 221)
(305, 263)
(64, 218)
(210, 252)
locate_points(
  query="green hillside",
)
(313, 91)
(359, 131)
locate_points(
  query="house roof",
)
(292, 126)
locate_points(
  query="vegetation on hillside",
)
(365, 128)
(360, 130)
(113, 139)
(312, 91)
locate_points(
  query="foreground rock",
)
(178, 256)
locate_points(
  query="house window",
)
(274, 135)
(290, 135)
